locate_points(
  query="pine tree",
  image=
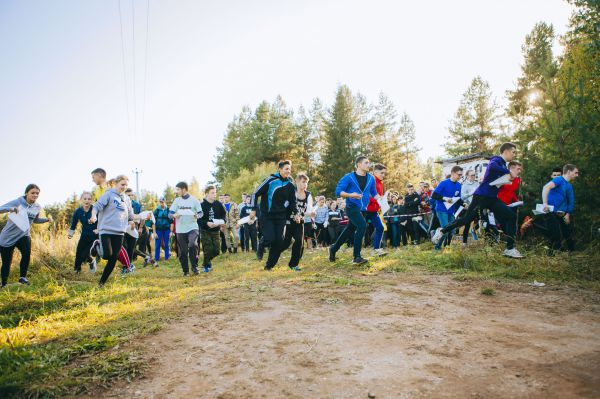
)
(474, 124)
(409, 169)
(169, 194)
(341, 140)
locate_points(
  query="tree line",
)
(552, 114)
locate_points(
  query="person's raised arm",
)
(545, 191)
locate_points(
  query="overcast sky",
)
(63, 108)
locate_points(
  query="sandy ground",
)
(397, 337)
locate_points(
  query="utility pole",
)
(137, 182)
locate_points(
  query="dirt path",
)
(397, 337)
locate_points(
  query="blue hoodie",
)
(350, 185)
(495, 169)
(562, 196)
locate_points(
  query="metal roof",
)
(466, 157)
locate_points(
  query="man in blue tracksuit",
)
(559, 194)
(486, 197)
(277, 195)
(357, 187)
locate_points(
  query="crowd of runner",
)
(282, 213)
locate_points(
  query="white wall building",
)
(477, 162)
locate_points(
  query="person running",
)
(357, 187)
(412, 201)
(12, 235)
(277, 202)
(210, 238)
(559, 194)
(508, 192)
(114, 214)
(231, 224)
(295, 226)
(249, 228)
(162, 228)
(447, 192)
(486, 197)
(99, 179)
(372, 215)
(186, 209)
(89, 233)
(466, 195)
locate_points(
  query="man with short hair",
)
(186, 210)
(163, 228)
(99, 179)
(559, 194)
(294, 229)
(508, 192)
(447, 192)
(412, 201)
(372, 215)
(230, 229)
(241, 228)
(486, 197)
(556, 172)
(212, 210)
(358, 188)
(277, 203)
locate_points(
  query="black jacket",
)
(277, 197)
(213, 211)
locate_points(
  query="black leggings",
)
(23, 244)
(294, 231)
(501, 212)
(111, 245)
(82, 253)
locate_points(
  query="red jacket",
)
(508, 192)
(373, 205)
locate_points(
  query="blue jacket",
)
(447, 188)
(562, 196)
(349, 184)
(495, 169)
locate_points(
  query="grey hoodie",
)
(11, 233)
(467, 190)
(114, 212)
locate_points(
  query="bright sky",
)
(63, 98)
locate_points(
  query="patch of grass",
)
(62, 335)
(488, 291)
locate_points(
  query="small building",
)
(477, 162)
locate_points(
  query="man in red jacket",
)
(508, 192)
(379, 171)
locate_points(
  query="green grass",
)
(64, 336)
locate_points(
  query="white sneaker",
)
(93, 265)
(437, 236)
(379, 252)
(512, 253)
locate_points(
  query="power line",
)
(134, 77)
(145, 66)
(124, 70)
